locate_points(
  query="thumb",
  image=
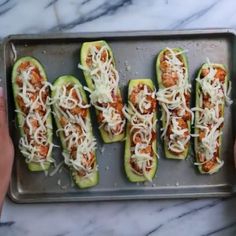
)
(2, 110)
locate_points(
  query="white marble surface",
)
(163, 217)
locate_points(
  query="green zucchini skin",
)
(196, 130)
(58, 83)
(132, 177)
(32, 166)
(169, 154)
(83, 55)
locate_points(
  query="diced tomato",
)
(21, 104)
(118, 106)
(36, 79)
(153, 136)
(208, 165)
(220, 74)
(182, 123)
(187, 116)
(73, 152)
(74, 94)
(169, 80)
(147, 150)
(79, 111)
(32, 96)
(40, 110)
(78, 128)
(43, 150)
(164, 66)
(104, 56)
(34, 123)
(201, 135)
(89, 61)
(63, 121)
(24, 65)
(187, 97)
(19, 81)
(207, 104)
(153, 102)
(204, 72)
(133, 98)
(26, 129)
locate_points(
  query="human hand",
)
(6, 150)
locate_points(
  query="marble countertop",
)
(215, 216)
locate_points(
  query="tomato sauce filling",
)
(88, 160)
(135, 139)
(116, 103)
(220, 75)
(170, 78)
(36, 81)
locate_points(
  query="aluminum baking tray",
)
(135, 54)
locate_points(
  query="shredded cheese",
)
(14, 52)
(105, 80)
(77, 130)
(142, 128)
(35, 145)
(173, 98)
(209, 115)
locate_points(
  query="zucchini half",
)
(33, 166)
(83, 56)
(169, 154)
(197, 104)
(81, 182)
(133, 177)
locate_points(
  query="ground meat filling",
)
(142, 134)
(208, 105)
(106, 96)
(174, 97)
(74, 130)
(32, 101)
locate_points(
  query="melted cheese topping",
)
(142, 126)
(210, 119)
(77, 131)
(35, 146)
(171, 98)
(105, 83)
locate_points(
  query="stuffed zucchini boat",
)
(102, 78)
(174, 98)
(140, 159)
(71, 111)
(32, 101)
(211, 95)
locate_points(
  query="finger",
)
(2, 110)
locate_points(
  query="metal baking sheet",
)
(135, 54)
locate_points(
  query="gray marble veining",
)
(163, 217)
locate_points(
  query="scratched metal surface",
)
(135, 54)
